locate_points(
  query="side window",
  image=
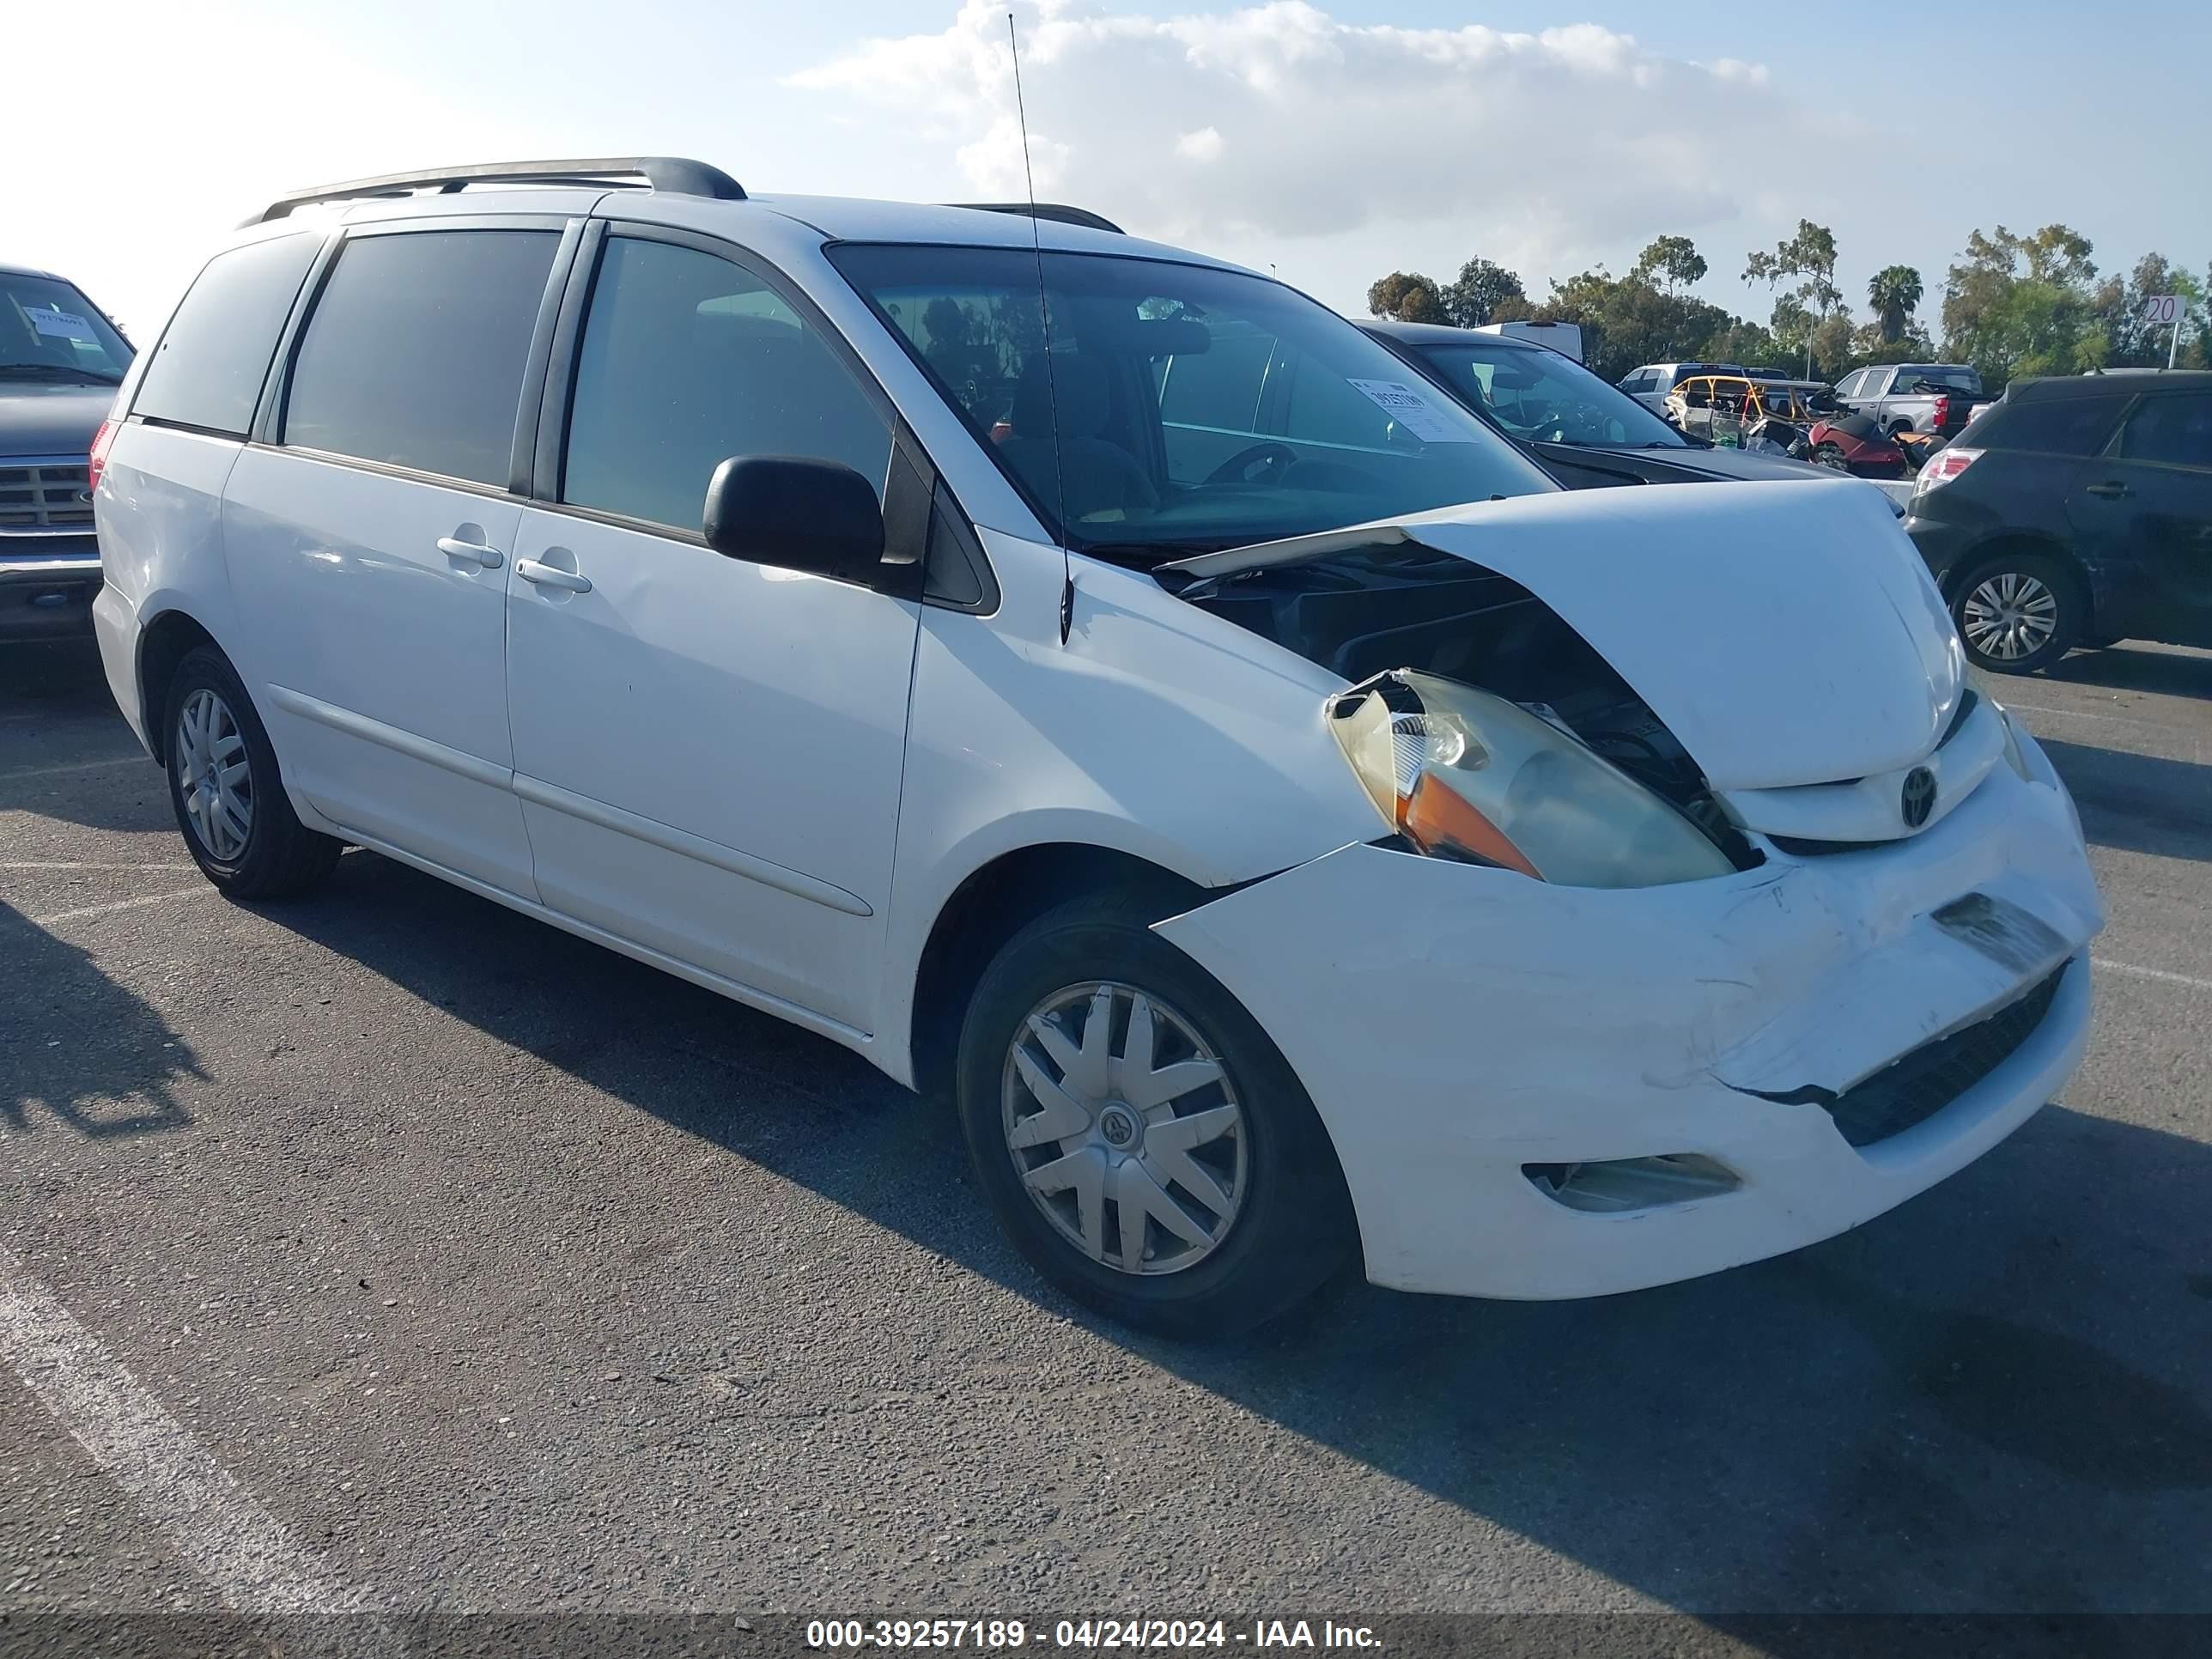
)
(2174, 430)
(2049, 426)
(687, 360)
(415, 351)
(1853, 382)
(208, 370)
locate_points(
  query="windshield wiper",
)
(67, 371)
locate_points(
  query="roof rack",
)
(671, 174)
(1058, 212)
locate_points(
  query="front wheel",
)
(2018, 613)
(1135, 1131)
(223, 784)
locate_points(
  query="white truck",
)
(1566, 337)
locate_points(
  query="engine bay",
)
(1370, 609)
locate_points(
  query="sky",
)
(1329, 142)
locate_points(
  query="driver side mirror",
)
(796, 514)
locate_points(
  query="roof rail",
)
(671, 174)
(1058, 212)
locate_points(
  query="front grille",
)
(1914, 1088)
(41, 497)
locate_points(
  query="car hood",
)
(1718, 463)
(1785, 637)
(51, 420)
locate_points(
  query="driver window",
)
(687, 360)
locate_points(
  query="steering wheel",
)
(1279, 458)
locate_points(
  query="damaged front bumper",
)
(1475, 1040)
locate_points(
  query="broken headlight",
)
(1462, 773)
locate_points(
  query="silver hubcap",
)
(1124, 1129)
(213, 776)
(2009, 616)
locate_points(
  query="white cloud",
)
(1203, 145)
(1336, 146)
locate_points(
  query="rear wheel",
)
(226, 790)
(1144, 1143)
(2018, 612)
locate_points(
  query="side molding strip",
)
(670, 839)
(390, 737)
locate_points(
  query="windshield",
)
(50, 332)
(1542, 396)
(1186, 407)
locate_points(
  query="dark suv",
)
(2075, 512)
(60, 362)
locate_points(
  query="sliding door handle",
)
(551, 576)
(475, 552)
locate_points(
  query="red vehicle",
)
(1857, 444)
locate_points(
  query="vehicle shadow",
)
(1971, 1405)
(78, 1049)
(2173, 673)
(2138, 803)
(66, 744)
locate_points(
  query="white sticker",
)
(1414, 413)
(62, 324)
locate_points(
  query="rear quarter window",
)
(207, 371)
(2056, 425)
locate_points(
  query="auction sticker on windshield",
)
(59, 324)
(1415, 413)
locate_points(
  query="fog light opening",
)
(1614, 1185)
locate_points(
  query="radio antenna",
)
(1044, 323)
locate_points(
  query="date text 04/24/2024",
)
(1006, 1635)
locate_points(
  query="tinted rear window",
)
(208, 370)
(2174, 430)
(2050, 426)
(1909, 375)
(415, 351)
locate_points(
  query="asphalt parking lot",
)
(400, 1251)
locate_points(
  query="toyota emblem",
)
(1919, 799)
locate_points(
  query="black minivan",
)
(2075, 511)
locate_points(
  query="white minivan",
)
(1104, 687)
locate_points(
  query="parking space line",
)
(212, 1521)
(87, 864)
(2165, 975)
(82, 911)
(139, 759)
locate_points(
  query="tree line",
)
(2011, 305)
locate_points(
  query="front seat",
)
(1083, 476)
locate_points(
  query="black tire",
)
(2069, 615)
(1294, 1227)
(280, 855)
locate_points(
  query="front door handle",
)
(551, 576)
(2112, 490)
(475, 552)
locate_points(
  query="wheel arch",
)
(2021, 541)
(163, 643)
(993, 903)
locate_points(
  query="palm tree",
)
(1894, 291)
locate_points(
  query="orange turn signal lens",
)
(1438, 816)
